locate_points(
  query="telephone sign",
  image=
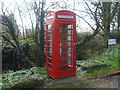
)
(50, 17)
(65, 16)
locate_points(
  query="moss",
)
(103, 72)
(61, 86)
(79, 84)
(84, 81)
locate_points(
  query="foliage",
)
(115, 35)
(25, 48)
(90, 49)
(111, 63)
(25, 73)
(29, 76)
(11, 58)
(19, 51)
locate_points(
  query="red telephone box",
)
(60, 43)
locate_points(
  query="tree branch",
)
(8, 41)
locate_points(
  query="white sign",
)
(65, 16)
(50, 17)
(111, 41)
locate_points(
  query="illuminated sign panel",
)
(50, 17)
(65, 16)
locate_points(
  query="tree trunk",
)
(118, 28)
(42, 43)
(106, 35)
(106, 11)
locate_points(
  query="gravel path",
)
(106, 82)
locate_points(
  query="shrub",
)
(90, 49)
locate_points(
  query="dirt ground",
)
(107, 82)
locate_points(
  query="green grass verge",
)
(113, 62)
(26, 77)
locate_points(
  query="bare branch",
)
(85, 21)
(8, 41)
(20, 18)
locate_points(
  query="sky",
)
(12, 5)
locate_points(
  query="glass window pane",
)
(65, 55)
(50, 49)
(65, 38)
(49, 66)
(65, 44)
(49, 37)
(49, 60)
(49, 26)
(63, 50)
(49, 31)
(66, 32)
(49, 43)
(66, 67)
(66, 26)
(66, 61)
(49, 54)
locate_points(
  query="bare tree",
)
(107, 14)
(118, 22)
(42, 32)
(6, 21)
(39, 9)
(102, 14)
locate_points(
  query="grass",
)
(18, 75)
(30, 76)
(113, 62)
(112, 65)
(0, 81)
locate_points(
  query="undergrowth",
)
(30, 76)
(41, 72)
(112, 62)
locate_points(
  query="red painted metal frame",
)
(56, 71)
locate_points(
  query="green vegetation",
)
(111, 66)
(90, 49)
(23, 44)
(102, 59)
(12, 79)
(25, 78)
